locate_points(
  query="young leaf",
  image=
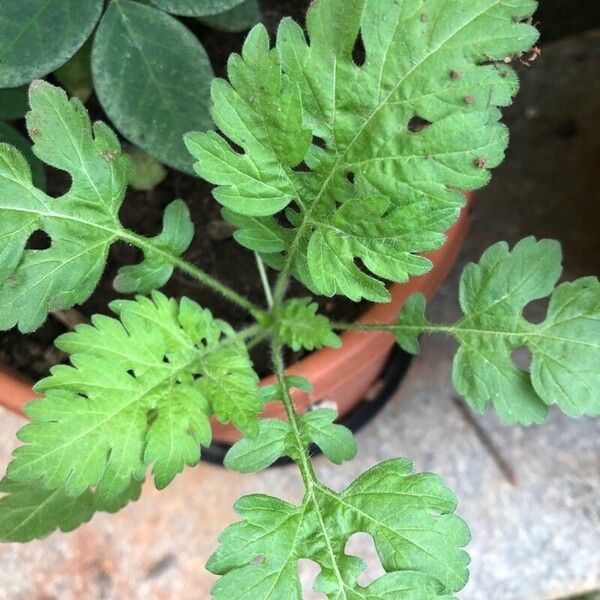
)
(565, 347)
(28, 511)
(250, 455)
(135, 396)
(335, 441)
(153, 272)
(146, 173)
(82, 224)
(276, 440)
(152, 77)
(196, 8)
(410, 518)
(299, 326)
(40, 35)
(239, 18)
(272, 392)
(365, 159)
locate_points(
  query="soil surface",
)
(213, 248)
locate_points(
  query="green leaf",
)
(40, 35)
(336, 441)
(239, 18)
(152, 77)
(82, 224)
(135, 397)
(299, 326)
(13, 103)
(410, 518)
(412, 322)
(196, 8)
(9, 135)
(275, 440)
(272, 392)
(153, 272)
(250, 455)
(28, 511)
(75, 76)
(146, 173)
(565, 347)
(340, 147)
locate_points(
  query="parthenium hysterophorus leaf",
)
(334, 144)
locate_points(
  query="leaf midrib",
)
(334, 169)
(122, 408)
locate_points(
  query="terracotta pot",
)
(341, 375)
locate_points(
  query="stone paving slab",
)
(536, 539)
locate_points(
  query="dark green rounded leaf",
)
(196, 8)
(40, 35)
(153, 78)
(9, 135)
(239, 18)
(13, 103)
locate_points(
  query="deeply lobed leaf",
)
(299, 326)
(28, 511)
(338, 145)
(410, 517)
(139, 394)
(82, 224)
(565, 347)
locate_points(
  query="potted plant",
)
(337, 172)
(340, 375)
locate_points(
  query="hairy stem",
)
(311, 484)
(302, 459)
(391, 327)
(258, 339)
(433, 328)
(264, 279)
(195, 272)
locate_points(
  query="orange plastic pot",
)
(341, 375)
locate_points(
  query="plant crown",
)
(338, 170)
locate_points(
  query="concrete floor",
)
(536, 539)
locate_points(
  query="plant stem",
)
(391, 327)
(257, 340)
(311, 484)
(195, 272)
(217, 286)
(254, 331)
(433, 328)
(302, 459)
(264, 279)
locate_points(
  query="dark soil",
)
(213, 248)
